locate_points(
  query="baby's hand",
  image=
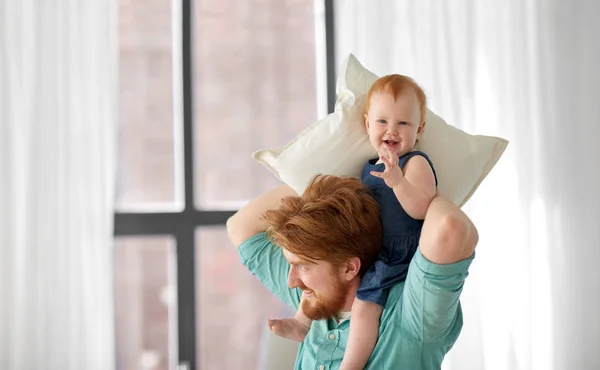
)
(392, 175)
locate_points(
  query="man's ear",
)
(352, 268)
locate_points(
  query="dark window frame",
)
(182, 225)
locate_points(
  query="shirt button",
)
(331, 336)
(321, 367)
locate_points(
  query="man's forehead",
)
(293, 258)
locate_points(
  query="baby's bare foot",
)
(288, 328)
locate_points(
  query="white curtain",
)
(57, 141)
(526, 70)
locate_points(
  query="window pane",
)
(146, 156)
(254, 87)
(145, 303)
(232, 305)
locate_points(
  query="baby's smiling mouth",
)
(390, 143)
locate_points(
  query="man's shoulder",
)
(392, 311)
(395, 297)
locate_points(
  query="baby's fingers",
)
(393, 158)
(386, 161)
(377, 174)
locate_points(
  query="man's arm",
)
(261, 257)
(247, 221)
(437, 272)
(448, 235)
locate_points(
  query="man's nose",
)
(293, 278)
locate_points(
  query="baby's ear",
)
(421, 127)
(366, 120)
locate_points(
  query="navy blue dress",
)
(400, 235)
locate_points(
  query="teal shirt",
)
(420, 322)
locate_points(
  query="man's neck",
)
(341, 316)
(351, 296)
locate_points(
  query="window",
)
(203, 84)
(145, 306)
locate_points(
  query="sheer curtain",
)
(57, 135)
(526, 71)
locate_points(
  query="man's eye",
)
(302, 268)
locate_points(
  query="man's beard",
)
(319, 307)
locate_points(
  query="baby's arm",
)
(417, 188)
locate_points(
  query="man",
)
(326, 239)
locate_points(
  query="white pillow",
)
(338, 144)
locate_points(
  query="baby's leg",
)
(364, 329)
(294, 328)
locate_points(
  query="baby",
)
(403, 182)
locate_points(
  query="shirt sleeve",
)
(265, 261)
(431, 306)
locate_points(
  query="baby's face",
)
(394, 123)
